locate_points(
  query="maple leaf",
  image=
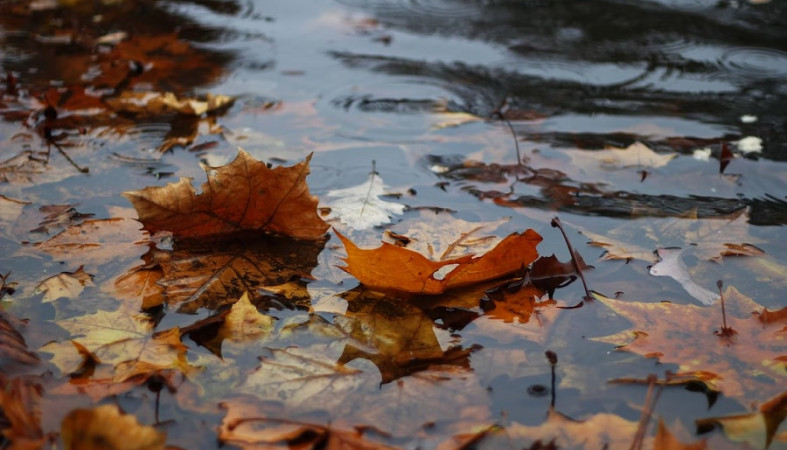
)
(711, 238)
(209, 274)
(757, 429)
(360, 206)
(749, 364)
(244, 195)
(398, 269)
(106, 427)
(64, 285)
(396, 336)
(121, 338)
(516, 304)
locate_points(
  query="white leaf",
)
(360, 206)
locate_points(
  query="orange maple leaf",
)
(393, 268)
(749, 364)
(244, 195)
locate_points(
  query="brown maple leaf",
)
(64, 285)
(749, 364)
(392, 268)
(244, 195)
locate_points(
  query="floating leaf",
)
(749, 364)
(20, 412)
(397, 269)
(665, 440)
(64, 285)
(244, 195)
(360, 206)
(106, 427)
(13, 348)
(635, 155)
(160, 103)
(757, 429)
(123, 339)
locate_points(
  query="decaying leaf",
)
(10, 209)
(64, 285)
(105, 427)
(360, 207)
(749, 364)
(244, 195)
(397, 269)
(161, 103)
(125, 340)
(758, 429)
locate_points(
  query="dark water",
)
(426, 91)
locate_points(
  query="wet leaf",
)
(244, 195)
(517, 305)
(757, 429)
(59, 217)
(162, 103)
(397, 269)
(10, 209)
(360, 207)
(749, 364)
(245, 323)
(64, 285)
(106, 427)
(123, 339)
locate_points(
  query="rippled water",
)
(416, 89)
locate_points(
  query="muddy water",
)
(439, 97)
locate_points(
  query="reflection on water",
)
(422, 92)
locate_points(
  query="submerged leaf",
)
(244, 195)
(671, 265)
(749, 364)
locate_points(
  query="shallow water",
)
(414, 89)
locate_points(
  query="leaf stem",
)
(552, 357)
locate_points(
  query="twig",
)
(499, 113)
(68, 158)
(556, 223)
(552, 357)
